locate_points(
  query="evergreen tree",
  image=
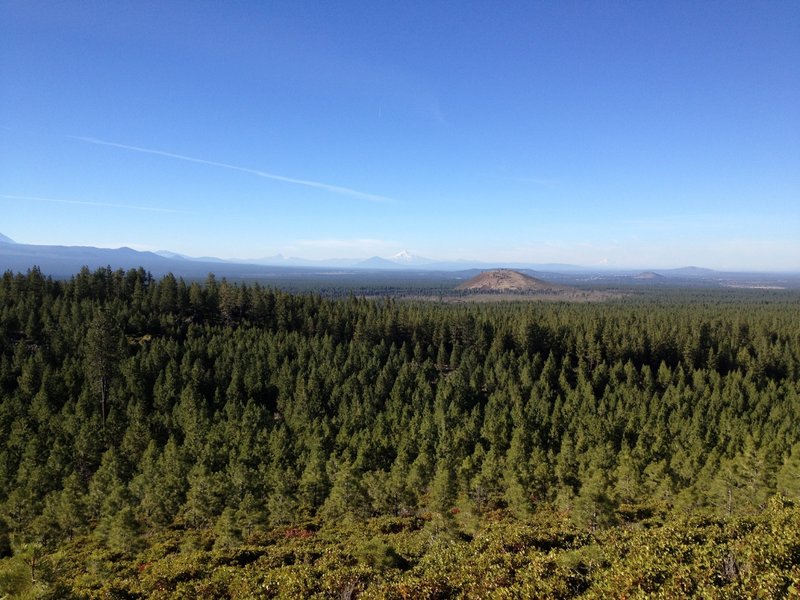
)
(205, 496)
(71, 508)
(347, 497)
(103, 353)
(227, 531)
(251, 514)
(314, 483)
(594, 505)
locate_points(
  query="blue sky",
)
(627, 134)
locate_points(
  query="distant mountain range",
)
(67, 260)
(401, 260)
(64, 261)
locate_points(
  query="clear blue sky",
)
(632, 134)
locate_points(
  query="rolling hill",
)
(507, 280)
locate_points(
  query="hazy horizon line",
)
(429, 264)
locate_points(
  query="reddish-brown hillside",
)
(506, 280)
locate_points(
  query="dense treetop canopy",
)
(131, 406)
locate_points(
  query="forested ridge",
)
(174, 439)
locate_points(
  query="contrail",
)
(87, 203)
(314, 184)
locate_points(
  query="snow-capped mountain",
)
(404, 257)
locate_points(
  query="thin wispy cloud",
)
(89, 203)
(336, 189)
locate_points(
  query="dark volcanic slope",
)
(648, 275)
(506, 280)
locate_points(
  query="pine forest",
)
(173, 439)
